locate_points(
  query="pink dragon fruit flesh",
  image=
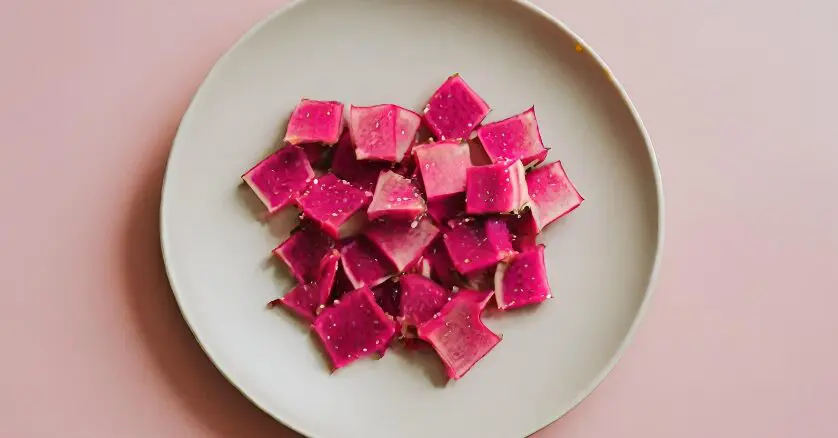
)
(496, 188)
(395, 197)
(458, 334)
(331, 202)
(552, 194)
(373, 130)
(454, 110)
(476, 244)
(442, 268)
(315, 121)
(402, 241)
(407, 125)
(360, 173)
(364, 265)
(448, 207)
(388, 296)
(304, 250)
(279, 179)
(421, 299)
(443, 167)
(306, 299)
(522, 280)
(523, 229)
(354, 327)
(515, 138)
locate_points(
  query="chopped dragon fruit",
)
(522, 280)
(306, 299)
(402, 241)
(315, 121)
(304, 250)
(407, 125)
(279, 179)
(443, 167)
(395, 197)
(421, 299)
(552, 194)
(364, 264)
(476, 244)
(514, 138)
(496, 188)
(331, 202)
(360, 173)
(442, 268)
(454, 110)
(373, 130)
(388, 296)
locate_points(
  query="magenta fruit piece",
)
(523, 229)
(388, 296)
(354, 327)
(515, 138)
(522, 280)
(482, 280)
(422, 267)
(476, 244)
(402, 241)
(315, 121)
(496, 188)
(443, 167)
(458, 334)
(407, 125)
(373, 130)
(552, 194)
(360, 173)
(396, 197)
(454, 110)
(304, 250)
(279, 179)
(364, 264)
(442, 268)
(306, 299)
(421, 299)
(448, 207)
(331, 202)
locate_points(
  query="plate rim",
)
(653, 276)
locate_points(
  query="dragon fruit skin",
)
(315, 121)
(522, 280)
(279, 179)
(331, 202)
(407, 126)
(496, 188)
(306, 299)
(443, 168)
(353, 328)
(458, 334)
(421, 299)
(552, 194)
(454, 110)
(388, 296)
(364, 265)
(514, 138)
(373, 131)
(403, 242)
(395, 197)
(360, 173)
(474, 245)
(303, 251)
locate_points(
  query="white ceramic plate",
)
(601, 258)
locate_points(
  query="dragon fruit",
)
(373, 130)
(552, 194)
(388, 296)
(422, 267)
(354, 327)
(306, 299)
(304, 250)
(442, 268)
(402, 241)
(515, 138)
(331, 202)
(407, 125)
(360, 173)
(476, 244)
(364, 265)
(496, 188)
(454, 110)
(396, 197)
(315, 121)
(522, 280)
(458, 334)
(482, 280)
(279, 179)
(523, 229)
(443, 167)
(421, 299)
(447, 207)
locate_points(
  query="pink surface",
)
(740, 340)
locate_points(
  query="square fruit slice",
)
(315, 121)
(304, 250)
(395, 197)
(477, 244)
(373, 130)
(496, 188)
(443, 168)
(552, 194)
(279, 179)
(515, 138)
(306, 299)
(522, 280)
(402, 241)
(454, 110)
(331, 202)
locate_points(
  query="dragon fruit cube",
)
(304, 250)
(421, 299)
(315, 121)
(407, 126)
(279, 179)
(454, 110)
(458, 334)
(522, 280)
(402, 241)
(331, 202)
(443, 168)
(306, 299)
(397, 197)
(442, 268)
(552, 194)
(354, 327)
(447, 207)
(360, 173)
(373, 130)
(364, 265)
(515, 138)
(388, 296)
(476, 244)
(523, 229)
(496, 188)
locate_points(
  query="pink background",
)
(739, 96)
